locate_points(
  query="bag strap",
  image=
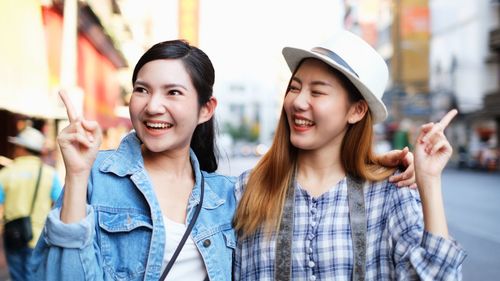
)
(357, 218)
(283, 250)
(186, 233)
(36, 187)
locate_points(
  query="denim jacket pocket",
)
(124, 236)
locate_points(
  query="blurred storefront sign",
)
(411, 42)
(188, 20)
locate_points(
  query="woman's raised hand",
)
(432, 149)
(79, 141)
(432, 152)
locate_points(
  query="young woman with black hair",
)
(125, 211)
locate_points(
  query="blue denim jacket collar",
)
(127, 160)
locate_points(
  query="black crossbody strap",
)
(283, 251)
(357, 218)
(36, 187)
(186, 234)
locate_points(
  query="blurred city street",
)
(89, 49)
(471, 202)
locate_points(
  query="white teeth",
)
(302, 122)
(158, 125)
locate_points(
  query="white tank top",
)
(189, 264)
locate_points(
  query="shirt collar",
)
(127, 160)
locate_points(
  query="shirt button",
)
(206, 243)
(313, 223)
(311, 264)
(310, 250)
(312, 278)
(310, 236)
(313, 211)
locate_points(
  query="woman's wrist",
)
(73, 208)
(428, 182)
(432, 205)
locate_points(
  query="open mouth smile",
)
(158, 125)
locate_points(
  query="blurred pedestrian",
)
(28, 187)
(319, 205)
(402, 136)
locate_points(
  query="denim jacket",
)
(123, 234)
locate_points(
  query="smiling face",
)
(317, 107)
(164, 106)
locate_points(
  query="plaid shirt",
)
(398, 248)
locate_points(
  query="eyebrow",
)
(165, 86)
(317, 82)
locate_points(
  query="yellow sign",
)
(189, 20)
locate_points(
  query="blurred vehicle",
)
(248, 149)
(487, 159)
(261, 149)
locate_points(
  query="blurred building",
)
(399, 30)
(491, 101)
(98, 59)
(464, 68)
(33, 66)
(247, 110)
(442, 54)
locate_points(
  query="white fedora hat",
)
(357, 60)
(30, 138)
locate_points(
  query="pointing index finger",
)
(447, 118)
(70, 109)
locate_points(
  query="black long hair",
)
(202, 73)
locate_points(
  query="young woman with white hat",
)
(319, 205)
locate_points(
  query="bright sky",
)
(242, 38)
(245, 38)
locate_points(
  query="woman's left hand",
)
(432, 150)
(404, 158)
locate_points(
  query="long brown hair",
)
(264, 196)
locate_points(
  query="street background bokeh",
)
(442, 54)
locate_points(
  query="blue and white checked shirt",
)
(398, 248)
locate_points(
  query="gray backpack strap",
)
(357, 217)
(283, 251)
